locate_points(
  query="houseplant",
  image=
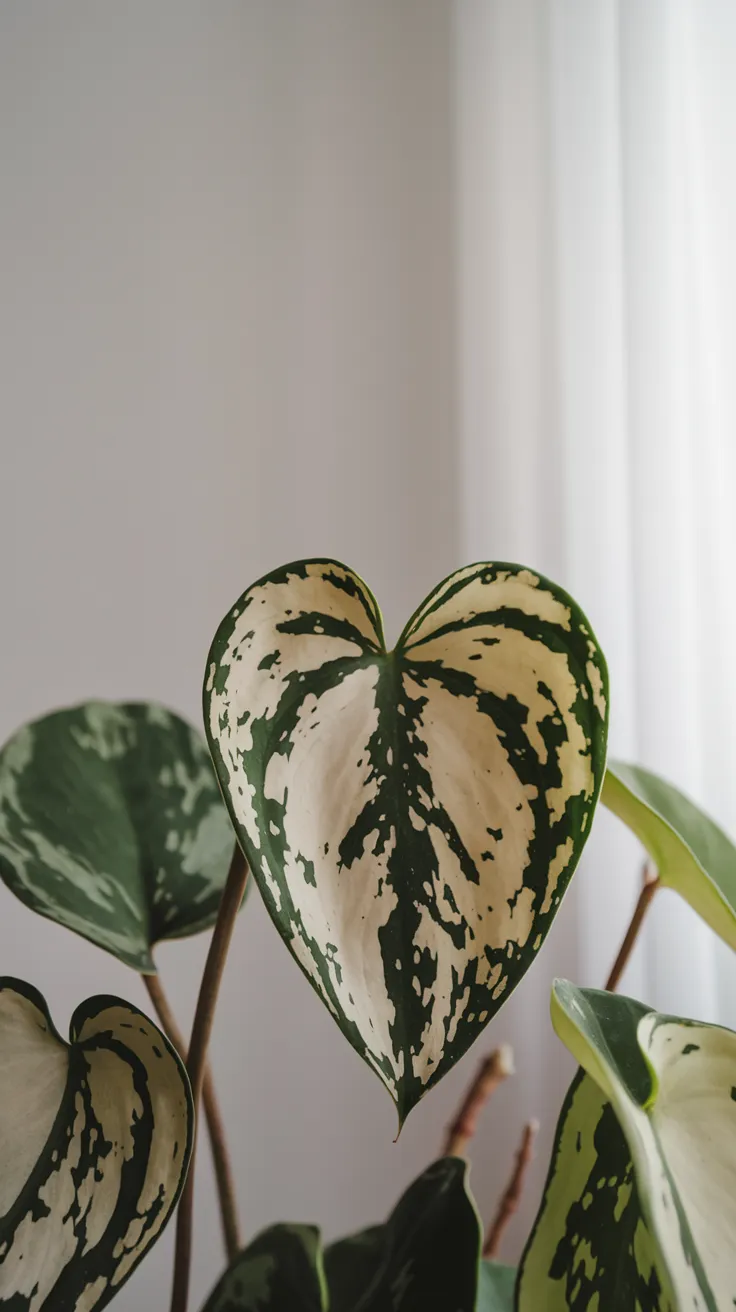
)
(412, 820)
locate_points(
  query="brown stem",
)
(491, 1072)
(215, 1125)
(203, 1017)
(513, 1191)
(650, 884)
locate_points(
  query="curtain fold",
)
(597, 316)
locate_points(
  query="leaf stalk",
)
(650, 884)
(209, 988)
(224, 1177)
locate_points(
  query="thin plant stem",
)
(492, 1071)
(215, 1125)
(512, 1193)
(650, 884)
(203, 1017)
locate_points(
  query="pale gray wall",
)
(226, 341)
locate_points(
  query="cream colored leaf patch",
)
(95, 1141)
(412, 817)
(640, 1204)
(692, 854)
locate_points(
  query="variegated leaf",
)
(412, 817)
(641, 1200)
(95, 1141)
(111, 823)
(691, 853)
(590, 1247)
(280, 1271)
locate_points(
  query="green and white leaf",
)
(280, 1271)
(95, 1141)
(112, 824)
(412, 817)
(590, 1247)
(691, 853)
(640, 1205)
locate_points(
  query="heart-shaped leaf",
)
(691, 853)
(280, 1271)
(95, 1141)
(640, 1205)
(111, 823)
(412, 817)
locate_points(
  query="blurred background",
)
(407, 283)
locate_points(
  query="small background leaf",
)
(95, 1141)
(692, 854)
(425, 1256)
(280, 1271)
(111, 823)
(496, 1284)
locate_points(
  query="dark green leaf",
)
(429, 1250)
(351, 1265)
(281, 1271)
(412, 817)
(111, 823)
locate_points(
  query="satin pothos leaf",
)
(280, 1270)
(691, 853)
(95, 1141)
(639, 1209)
(112, 824)
(412, 817)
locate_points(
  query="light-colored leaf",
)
(412, 817)
(111, 823)
(280, 1271)
(95, 1141)
(691, 853)
(641, 1199)
(590, 1247)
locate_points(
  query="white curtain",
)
(597, 353)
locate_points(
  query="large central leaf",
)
(95, 1141)
(412, 817)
